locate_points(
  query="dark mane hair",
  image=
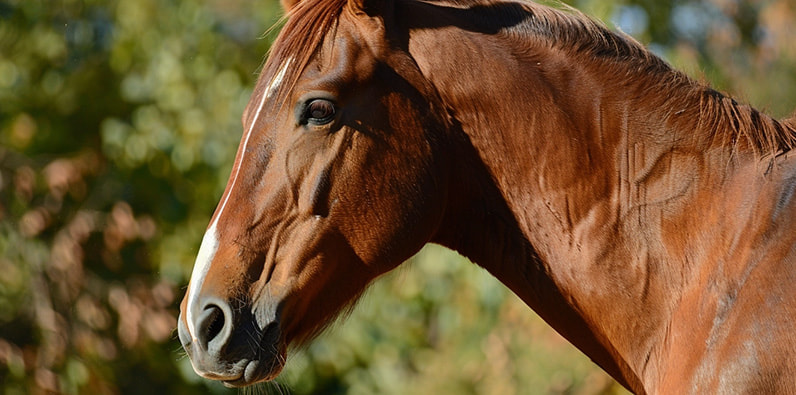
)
(721, 117)
(729, 120)
(565, 28)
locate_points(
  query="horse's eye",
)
(319, 112)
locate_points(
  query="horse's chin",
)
(258, 371)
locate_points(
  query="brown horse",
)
(649, 219)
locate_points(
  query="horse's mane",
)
(721, 118)
(567, 29)
(766, 135)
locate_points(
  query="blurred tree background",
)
(119, 120)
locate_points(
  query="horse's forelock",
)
(308, 24)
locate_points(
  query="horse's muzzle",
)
(230, 346)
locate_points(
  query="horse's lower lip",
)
(247, 376)
(253, 373)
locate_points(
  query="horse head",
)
(632, 208)
(340, 176)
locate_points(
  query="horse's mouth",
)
(256, 371)
(237, 361)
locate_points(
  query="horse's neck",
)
(587, 187)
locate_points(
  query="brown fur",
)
(648, 218)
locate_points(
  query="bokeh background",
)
(119, 120)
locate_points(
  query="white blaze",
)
(206, 253)
(209, 245)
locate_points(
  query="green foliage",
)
(118, 124)
(119, 121)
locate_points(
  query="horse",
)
(646, 217)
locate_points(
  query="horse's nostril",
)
(212, 322)
(216, 323)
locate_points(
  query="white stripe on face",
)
(209, 245)
(206, 253)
